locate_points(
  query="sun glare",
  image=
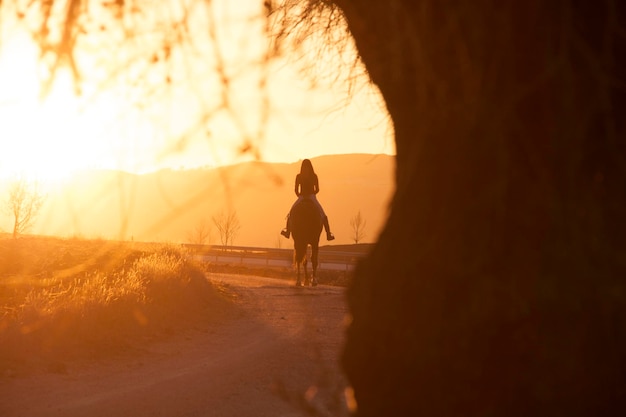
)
(50, 137)
(45, 139)
(40, 139)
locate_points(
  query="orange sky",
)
(114, 129)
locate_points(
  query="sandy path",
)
(275, 356)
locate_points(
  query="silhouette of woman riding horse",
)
(305, 221)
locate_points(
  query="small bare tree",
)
(23, 204)
(200, 234)
(279, 241)
(358, 223)
(228, 226)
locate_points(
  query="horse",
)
(306, 226)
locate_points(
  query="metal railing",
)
(328, 259)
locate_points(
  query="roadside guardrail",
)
(272, 257)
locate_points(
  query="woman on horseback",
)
(307, 186)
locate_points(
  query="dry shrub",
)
(105, 309)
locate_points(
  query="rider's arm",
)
(297, 186)
(316, 186)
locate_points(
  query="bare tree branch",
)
(23, 204)
(200, 234)
(228, 226)
(358, 224)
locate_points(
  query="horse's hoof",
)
(314, 283)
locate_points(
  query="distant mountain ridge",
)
(167, 205)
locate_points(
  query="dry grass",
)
(65, 299)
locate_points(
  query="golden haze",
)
(166, 205)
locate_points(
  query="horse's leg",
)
(296, 260)
(299, 280)
(307, 280)
(314, 253)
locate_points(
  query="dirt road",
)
(276, 355)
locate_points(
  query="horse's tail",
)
(299, 252)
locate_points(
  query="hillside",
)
(168, 205)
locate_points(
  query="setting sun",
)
(51, 131)
(43, 140)
(43, 137)
(49, 137)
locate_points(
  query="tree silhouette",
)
(200, 234)
(358, 223)
(490, 285)
(228, 226)
(23, 203)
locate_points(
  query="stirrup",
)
(285, 233)
(330, 236)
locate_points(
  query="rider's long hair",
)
(306, 169)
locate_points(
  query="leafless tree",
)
(23, 203)
(358, 223)
(200, 234)
(279, 241)
(227, 224)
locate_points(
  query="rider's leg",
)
(287, 230)
(329, 235)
